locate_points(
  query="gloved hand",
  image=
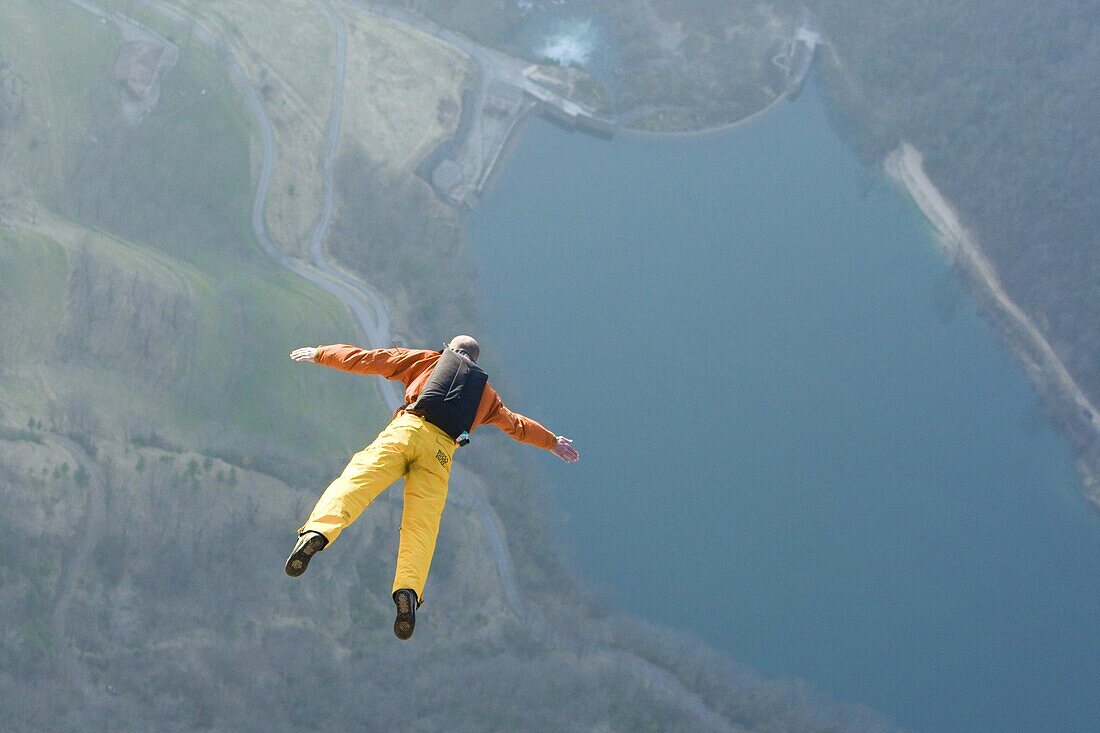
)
(565, 450)
(306, 353)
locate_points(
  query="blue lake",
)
(799, 439)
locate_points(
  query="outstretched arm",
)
(526, 430)
(389, 363)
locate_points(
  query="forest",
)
(1001, 99)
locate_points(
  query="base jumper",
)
(447, 397)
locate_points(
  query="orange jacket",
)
(413, 367)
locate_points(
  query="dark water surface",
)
(798, 436)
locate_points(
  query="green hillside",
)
(178, 356)
(43, 130)
(156, 280)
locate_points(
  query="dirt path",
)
(906, 166)
(74, 568)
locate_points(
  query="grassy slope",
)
(176, 353)
(285, 50)
(20, 293)
(178, 188)
(55, 127)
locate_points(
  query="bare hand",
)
(306, 353)
(565, 450)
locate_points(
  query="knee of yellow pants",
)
(367, 475)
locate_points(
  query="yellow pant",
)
(411, 447)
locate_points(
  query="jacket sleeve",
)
(389, 363)
(520, 428)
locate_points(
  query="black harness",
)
(452, 395)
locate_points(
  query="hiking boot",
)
(405, 600)
(309, 544)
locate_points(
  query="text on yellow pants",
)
(411, 447)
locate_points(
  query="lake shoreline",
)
(718, 129)
(1046, 371)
